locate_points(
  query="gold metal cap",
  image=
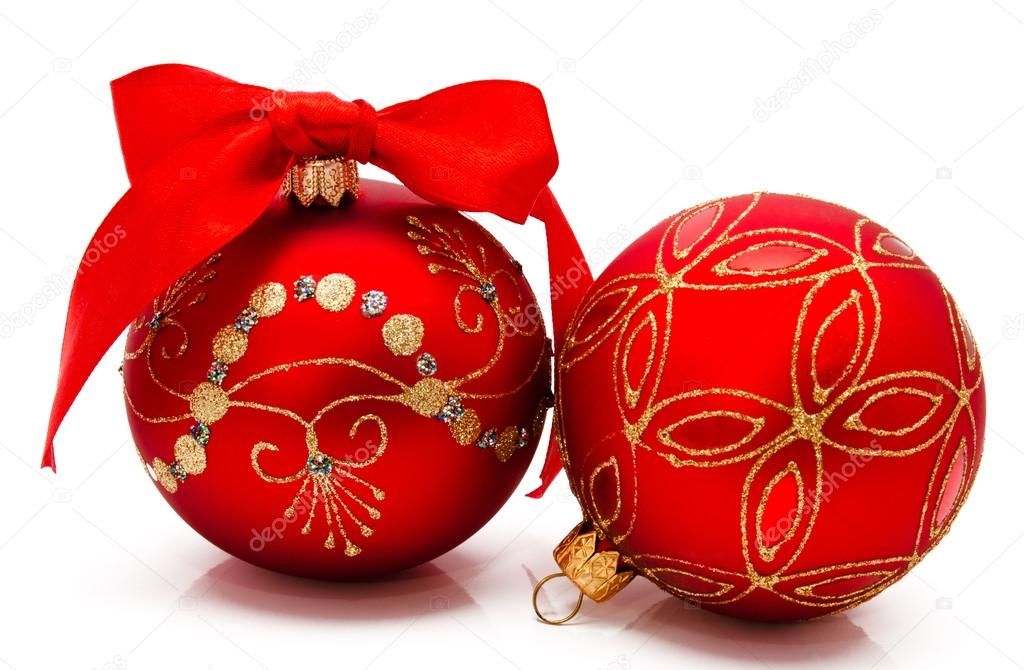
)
(599, 575)
(324, 180)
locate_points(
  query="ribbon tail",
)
(569, 278)
(186, 207)
(552, 464)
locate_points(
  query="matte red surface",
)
(437, 493)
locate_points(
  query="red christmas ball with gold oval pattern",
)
(342, 393)
(770, 405)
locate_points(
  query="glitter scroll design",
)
(783, 439)
(328, 486)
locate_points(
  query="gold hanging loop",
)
(554, 622)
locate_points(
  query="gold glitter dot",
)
(466, 428)
(268, 299)
(164, 476)
(507, 441)
(403, 334)
(427, 397)
(209, 402)
(229, 344)
(190, 455)
(335, 291)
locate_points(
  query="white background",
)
(916, 123)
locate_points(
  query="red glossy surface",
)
(760, 401)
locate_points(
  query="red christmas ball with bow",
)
(339, 391)
(769, 405)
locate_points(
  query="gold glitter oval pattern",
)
(190, 455)
(164, 476)
(268, 299)
(403, 334)
(335, 291)
(467, 427)
(208, 402)
(229, 344)
(427, 396)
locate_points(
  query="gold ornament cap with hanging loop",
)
(322, 180)
(597, 572)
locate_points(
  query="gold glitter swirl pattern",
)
(327, 486)
(184, 293)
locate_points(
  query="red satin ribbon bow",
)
(206, 155)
